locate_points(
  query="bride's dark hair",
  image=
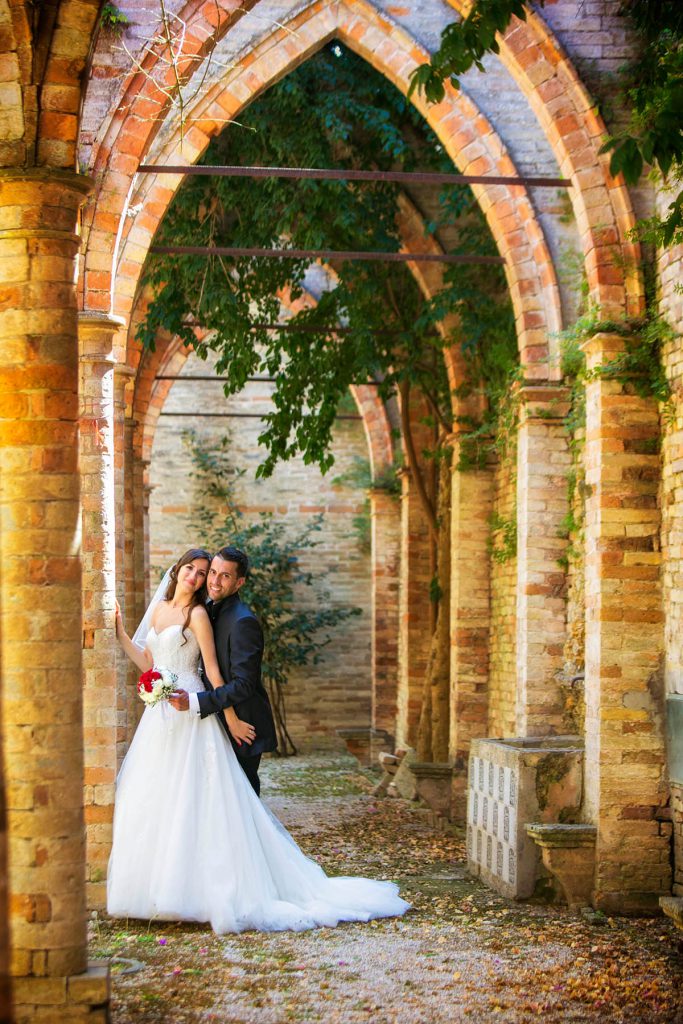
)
(199, 596)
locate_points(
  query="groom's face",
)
(224, 579)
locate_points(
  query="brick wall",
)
(598, 40)
(670, 268)
(677, 814)
(335, 693)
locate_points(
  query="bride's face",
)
(193, 575)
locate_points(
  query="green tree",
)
(334, 111)
(294, 634)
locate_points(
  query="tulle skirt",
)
(193, 842)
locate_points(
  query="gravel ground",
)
(461, 954)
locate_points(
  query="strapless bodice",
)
(170, 651)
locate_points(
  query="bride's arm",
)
(200, 624)
(143, 659)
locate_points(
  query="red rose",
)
(147, 680)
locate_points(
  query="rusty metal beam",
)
(305, 328)
(322, 254)
(343, 174)
(237, 415)
(248, 380)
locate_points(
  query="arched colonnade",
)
(68, 361)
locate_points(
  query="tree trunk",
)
(433, 729)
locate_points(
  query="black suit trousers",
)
(249, 766)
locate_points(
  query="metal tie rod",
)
(321, 254)
(340, 174)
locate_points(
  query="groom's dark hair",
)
(230, 554)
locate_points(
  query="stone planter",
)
(512, 783)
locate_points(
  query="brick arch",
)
(467, 136)
(575, 130)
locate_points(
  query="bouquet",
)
(156, 684)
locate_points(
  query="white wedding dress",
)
(193, 842)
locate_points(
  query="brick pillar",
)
(543, 463)
(414, 613)
(5, 983)
(122, 377)
(96, 334)
(134, 567)
(386, 537)
(471, 508)
(625, 772)
(40, 589)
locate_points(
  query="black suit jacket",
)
(239, 648)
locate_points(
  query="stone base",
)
(366, 744)
(433, 784)
(81, 997)
(404, 783)
(569, 855)
(459, 794)
(673, 908)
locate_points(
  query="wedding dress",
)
(193, 842)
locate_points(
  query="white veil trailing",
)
(139, 637)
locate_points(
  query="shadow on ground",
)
(462, 954)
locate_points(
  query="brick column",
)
(122, 377)
(5, 982)
(543, 463)
(40, 590)
(386, 537)
(96, 335)
(134, 567)
(414, 613)
(625, 771)
(471, 508)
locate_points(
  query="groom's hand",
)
(180, 700)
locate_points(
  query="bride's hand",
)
(242, 732)
(118, 619)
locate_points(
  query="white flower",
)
(156, 684)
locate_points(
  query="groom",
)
(239, 649)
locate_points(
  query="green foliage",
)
(651, 87)
(502, 542)
(464, 44)
(294, 635)
(345, 114)
(640, 364)
(113, 19)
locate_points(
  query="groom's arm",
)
(246, 654)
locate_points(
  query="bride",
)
(192, 841)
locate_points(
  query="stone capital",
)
(601, 346)
(124, 372)
(543, 402)
(96, 333)
(431, 769)
(53, 197)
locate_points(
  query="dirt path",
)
(462, 954)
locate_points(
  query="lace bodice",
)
(169, 651)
